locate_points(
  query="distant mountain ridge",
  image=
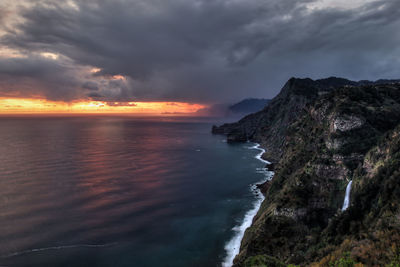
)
(249, 105)
(237, 110)
(321, 135)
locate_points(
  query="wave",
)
(232, 248)
(34, 250)
(259, 155)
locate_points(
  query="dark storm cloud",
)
(199, 50)
(91, 86)
(57, 79)
(33, 76)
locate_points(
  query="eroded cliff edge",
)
(321, 134)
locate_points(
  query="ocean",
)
(123, 191)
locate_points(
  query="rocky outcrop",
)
(329, 138)
(347, 123)
(269, 126)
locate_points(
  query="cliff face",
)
(370, 229)
(268, 126)
(331, 135)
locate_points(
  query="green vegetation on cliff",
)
(350, 132)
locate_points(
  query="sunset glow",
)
(41, 106)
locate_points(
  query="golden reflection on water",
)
(79, 178)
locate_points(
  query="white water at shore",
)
(233, 246)
(346, 201)
(259, 156)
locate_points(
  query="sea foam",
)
(232, 248)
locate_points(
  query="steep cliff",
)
(268, 126)
(326, 136)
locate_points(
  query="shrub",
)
(345, 261)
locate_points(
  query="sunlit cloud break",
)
(38, 106)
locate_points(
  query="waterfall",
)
(346, 201)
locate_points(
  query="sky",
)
(190, 53)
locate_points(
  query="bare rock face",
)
(335, 143)
(347, 123)
(295, 214)
(333, 171)
(341, 159)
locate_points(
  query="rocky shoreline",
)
(318, 136)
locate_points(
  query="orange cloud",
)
(42, 106)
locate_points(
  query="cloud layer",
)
(204, 51)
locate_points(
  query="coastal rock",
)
(264, 187)
(269, 126)
(217, 130)
(236, 137)
(329, 138)
(270, 167)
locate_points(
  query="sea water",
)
(123, 191)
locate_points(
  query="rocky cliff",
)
(325, 133)
(268, 126)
